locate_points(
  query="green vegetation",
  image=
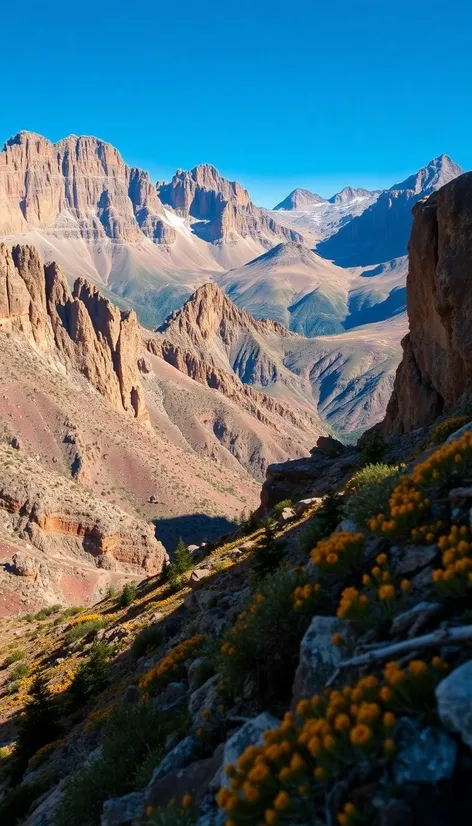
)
(13, 657)
(173, 815)
(183, 561)
(38, 725)
(268, 553)
(128, 595)
(371, 475)
(325, 520)
(20, 670)
(370, 499)
(264, 643)
(131, 734)
(91, 677)
(17, 801)
(147, 640)
(84, 629)
(280, 506)
(374, 451)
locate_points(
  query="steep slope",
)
(292, 285)
(435, 371)
(343, 380)
(381, 232)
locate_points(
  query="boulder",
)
(181, 755)
(425, 756)
(193, 779)
(319, 657)
(454, 699)
(251, 733)
(286, 516)
(123, 811)
(303, 505)
(22, 565)
(174, 691)
(197, 576)
(328, 446)
(413, 620)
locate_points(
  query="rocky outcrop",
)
(43, 505)
(78, 187)
(436, 370)
(93, 335)
(224, 206)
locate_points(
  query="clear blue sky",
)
(311, 93)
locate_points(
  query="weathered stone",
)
(454, 699)
(303, 505)
(197, 576)
(174, 691)
(426, 755)
(329, 446)
(251, 733)
(319, 657)
(22, 565)
(131, 695)
(123, 811)
(286, 516)
(181, 755)
(415, 557)
(193, 779)
(199, 698)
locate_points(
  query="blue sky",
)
(275, 94)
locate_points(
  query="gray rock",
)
(204, 598)
(286, 516)
(303, 505)
(131, 695)
(123, 811)
(171, 741)
(193, 779)
(199, 697)
(251, 733)
(454, 699)
(193, 548)
(347, 525)
(415, 618)
(425, 756)
(329, 447)
(197, 576)
(415, 558)
(319, 657)
(181, 755)
(172, 692)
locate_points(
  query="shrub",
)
(264, 643)
(172, 815)
(373, 451)
(131, 733)
(248, 522)
(370, 475)
(442, 431)
(268, 553)
(454, 579)
(339, 554)
(84, 629)
(91, 677)
(326, 518)
(72, 611)
(149, 638)
(280, 506)
(38, 725)
(19, 671)
(16, 802)
(377, 600)
(14, 656)
(183, 560)
(128, 595)
(371, 498)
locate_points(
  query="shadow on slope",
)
(193, 528)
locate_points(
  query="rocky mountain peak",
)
(434, 175)
(349, 193)
(300, 199)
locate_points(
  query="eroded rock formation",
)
(436, 369)
(93, 335)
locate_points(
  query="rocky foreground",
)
(316, 668)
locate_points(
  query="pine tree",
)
(182, 557)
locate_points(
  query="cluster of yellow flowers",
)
(446, 428)
(186, 805)
(455, 577)
(306, 596)
(350, 815)
(454, 459)
(427, 534)
(338, 553)
(378, 597)
(407, 507)
(84, 618)
(241, 625)
(279, 781)
(170, 666)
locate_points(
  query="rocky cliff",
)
(92, 335)
(436, 369)
(224, 207)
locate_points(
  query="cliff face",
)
(93, 335)
(43, 184)
(436, 369)
(225, 207)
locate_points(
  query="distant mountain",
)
(350, 193)
(381, 232)
(292, 285)
(300, 199)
